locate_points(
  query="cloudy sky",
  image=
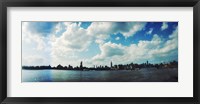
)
(98, 43)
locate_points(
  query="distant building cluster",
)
(131, 66)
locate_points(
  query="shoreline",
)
(106, 69)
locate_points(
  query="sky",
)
(98, 43)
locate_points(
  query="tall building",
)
(81, 64)
(111, 64)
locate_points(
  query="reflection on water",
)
(143, 75)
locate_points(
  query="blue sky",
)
(98, 43)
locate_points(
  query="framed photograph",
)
(122, 51)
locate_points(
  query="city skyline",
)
(98, 43)
(130, 66)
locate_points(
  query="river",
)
(142, 75)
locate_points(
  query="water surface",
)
(142, 75)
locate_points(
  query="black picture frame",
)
(98, 3)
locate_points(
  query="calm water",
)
(143, 75)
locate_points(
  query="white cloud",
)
(150, 31)
(29, 37)
(74, 39)
(170, 47)
(99, 41)
(102, 30)
(58, 27)
(141, 51)
(35, 48)
(164, 26)
(117, 38)
(134, 29)
(111, 49)
(108, 51)
(155, 49)
(120, 54)
(172, 43)
(154, 43)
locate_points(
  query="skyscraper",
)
(111, 64)
(81, 64)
